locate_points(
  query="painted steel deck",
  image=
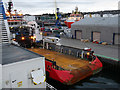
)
(11, 54)
(65, 61)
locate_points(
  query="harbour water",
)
(103, 80)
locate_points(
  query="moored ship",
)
(75, 16)
(63, 67)
(14, 17)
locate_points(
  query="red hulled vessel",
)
(68, 69)
(75, 16)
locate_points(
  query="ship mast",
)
(10, 6)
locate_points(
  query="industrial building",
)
(98, 28)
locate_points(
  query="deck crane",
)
(57, 15)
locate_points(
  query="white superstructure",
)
(20, 74)
(22, 68)
(29, 18)
(0, 66)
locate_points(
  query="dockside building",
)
(98, 28)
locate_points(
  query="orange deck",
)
(65, 61)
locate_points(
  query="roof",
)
(99, 21)
(11, 54)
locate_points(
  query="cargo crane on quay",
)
(59, 62)
(57, 15)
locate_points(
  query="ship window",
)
(12, 23)
(19, 22)
(9, 23)
(15, 23)
(24, 22)
(37, 26)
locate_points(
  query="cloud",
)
(48, 6)
(34, 4)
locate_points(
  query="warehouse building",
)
(97, 28)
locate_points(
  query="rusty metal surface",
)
(65, 61)
(80, 73)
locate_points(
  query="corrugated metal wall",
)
(106, 32)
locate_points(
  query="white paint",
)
(20, 71)
(8, 31)
(13, 35)
(119, 5)
(38, 76)
(52, 40)
(29, 18)
(15, 43)
(0, 76)
(37, 33)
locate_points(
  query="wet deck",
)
(65, 61)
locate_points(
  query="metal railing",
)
(50, 87)
(76, 52)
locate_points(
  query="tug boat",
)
(74, 17)
(66, 68)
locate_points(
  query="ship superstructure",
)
(75, 16)
(14, 17)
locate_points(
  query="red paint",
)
(97, 42)
(68, 24)
(56, 29)
(70, 77)
(42, 29)
(96, 64)
(59, 75)
(15, 20)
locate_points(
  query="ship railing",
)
(55, 66)
(67, 50)
(50, 87)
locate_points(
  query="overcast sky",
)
(48, 6)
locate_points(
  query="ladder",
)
(4, 29)
(4, 35)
